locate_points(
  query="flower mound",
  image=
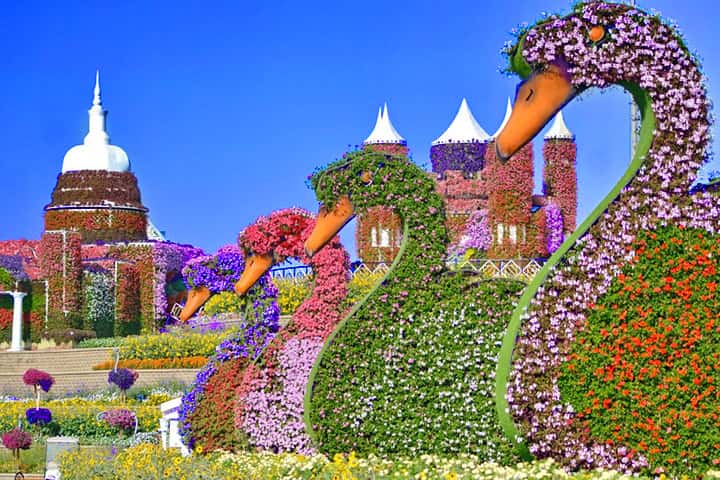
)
(38, 416)
(120, 418)
(124, 378)
(17, 439)
(642, 371)
(270, 397)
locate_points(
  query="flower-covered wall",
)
(560, 179)
(465, 157)
(61, 267)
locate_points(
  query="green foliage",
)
(642, 371)
(177, 344)
(225, 302)
(292, 292)
(33, 459)
(107, 342)
(98, 310)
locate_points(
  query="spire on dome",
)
(384, 131)
(463, 129)
(559, 130)
(508, 112)
(96, 153)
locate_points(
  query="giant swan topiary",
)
(607, 362)
(269, 399)
(410, 369)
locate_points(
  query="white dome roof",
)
(96, 153)
(464, 129)
(384, 132)
(559, 130)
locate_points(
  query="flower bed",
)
(155, 463)
(156, 363)
(177, 344)
(76, 417)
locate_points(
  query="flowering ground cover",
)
(155, 463)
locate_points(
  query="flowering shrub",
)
(667, 83)
(37, 378)
(124, 378)
(292, 292)
(17, 440)
(157, 363)
(395, 375)
(224, 302)
(467, 157)
(120, 418)
(175, 344)
(641, 371)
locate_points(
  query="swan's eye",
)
(596, 33)
(530, 95)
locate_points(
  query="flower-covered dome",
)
(464, 129)
(96, 153)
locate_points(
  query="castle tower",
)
(559, 174)
(462, 146)
(96, 195)
(379, 234)
(510, 191)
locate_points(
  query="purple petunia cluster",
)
(38, 416)
(124, 378)
(553, 227)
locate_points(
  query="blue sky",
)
(224, 108)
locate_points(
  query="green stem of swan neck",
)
(644, 103)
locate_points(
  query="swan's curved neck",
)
(647, 127)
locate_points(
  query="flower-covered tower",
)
(559, 175)
(96, 195)
(457, 158)
(378, 234)
(510, 200)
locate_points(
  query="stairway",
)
(72, 370)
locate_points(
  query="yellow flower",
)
(451, 476)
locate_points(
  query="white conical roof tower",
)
(559, 130)
(96, 153)
(464, 129)
(508, 112)
(384, 131)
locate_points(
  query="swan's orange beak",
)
(537, 100)
(328, 224)
(196, 298)
(255, 267)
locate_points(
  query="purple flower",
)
(38, 416)
(120, 418)
(124, 378)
